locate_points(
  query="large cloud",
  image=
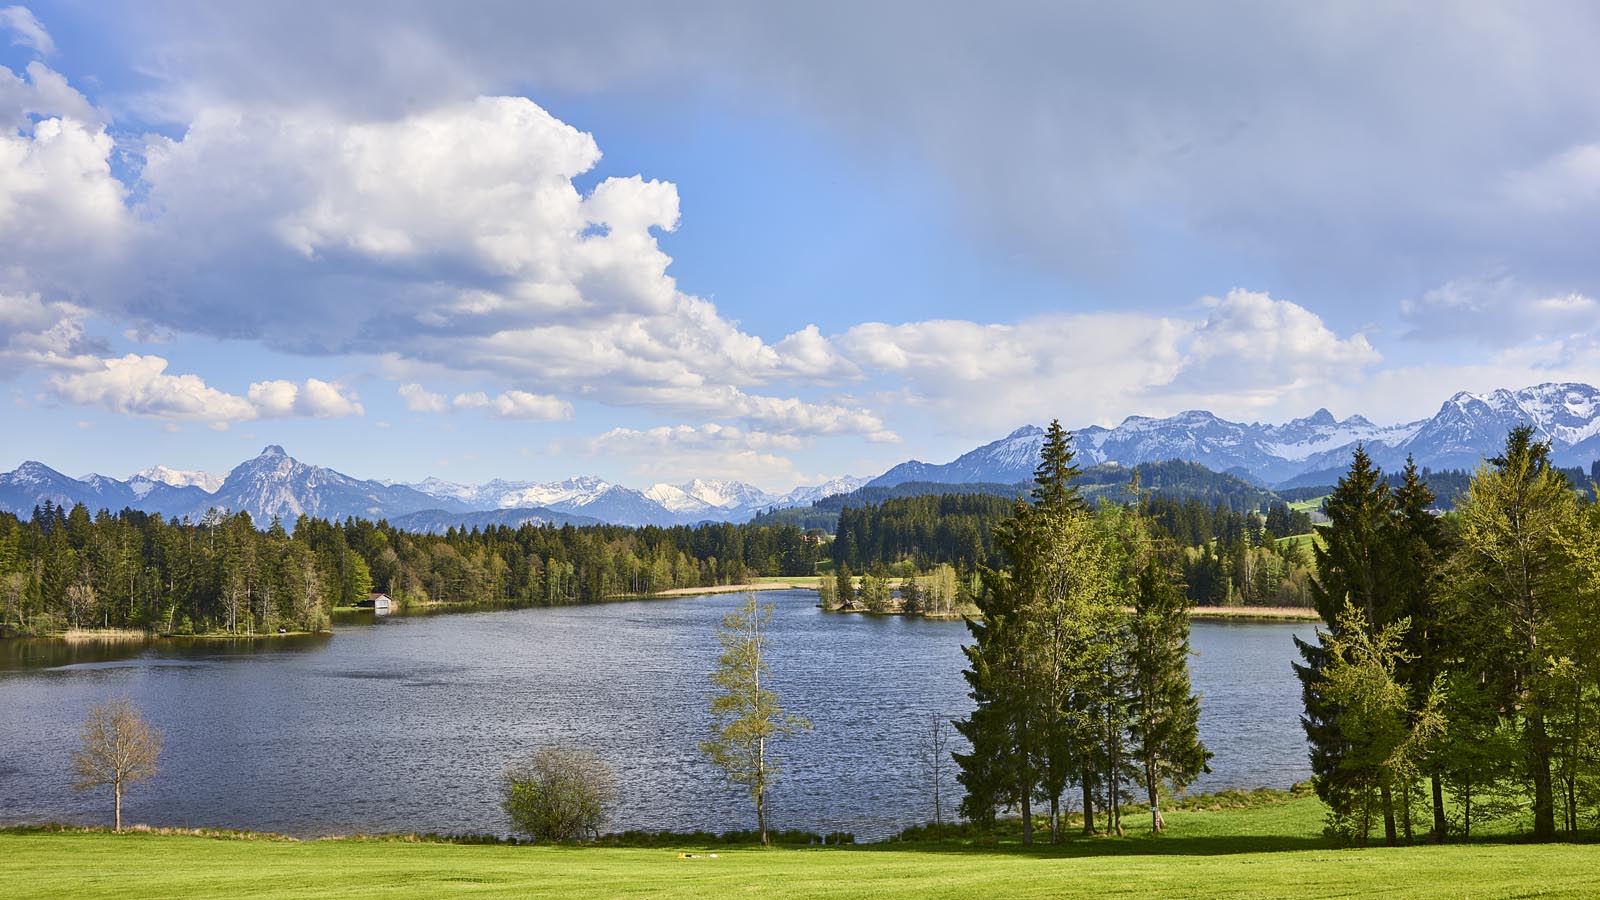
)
(1250, 352)
(1350, 142)
(139, 385)
(454, 236)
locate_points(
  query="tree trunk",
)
(1157, 824)
(1405, 812)
(1544, 806)
(1055, 818)
(1438, 809)
(1388, 814)
(1027, 816)
(761, 783)
(1088, 804)
(116, 789)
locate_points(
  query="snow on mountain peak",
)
(205, 481)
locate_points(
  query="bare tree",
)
(119, 748)
(935, 758)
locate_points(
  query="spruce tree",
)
(1166, 711)
(1422, 547)
(1053, 490)
(1354, 567)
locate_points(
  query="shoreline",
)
(1255, 613)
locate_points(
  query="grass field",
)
(1273, 851)
(1305, 541)
(1312, 504)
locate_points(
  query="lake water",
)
(403, 724)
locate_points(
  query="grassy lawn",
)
(1311, 505)
(1272, 851)
(1305, 541)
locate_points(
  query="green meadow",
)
(1268, 851)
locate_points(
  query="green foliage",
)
(64, 569)
(558, 794)
(746, 716)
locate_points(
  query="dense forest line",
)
(66, 569)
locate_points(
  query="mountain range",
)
(1303, 452)
(1308, 451)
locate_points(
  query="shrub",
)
(558, 794)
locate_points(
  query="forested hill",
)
(1109, 483)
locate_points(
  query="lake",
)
(403, 723)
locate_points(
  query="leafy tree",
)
(558, 794)
(1385, 738)
(745, 713)
(1511, 569)
(119, 748)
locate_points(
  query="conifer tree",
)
(1166, 711)
(1421, 549)
(1354, 567)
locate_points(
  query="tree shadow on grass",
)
(1142, 845)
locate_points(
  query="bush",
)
(558, 794)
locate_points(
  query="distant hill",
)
(438, 521)
(1108, 483)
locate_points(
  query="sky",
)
(771, 242)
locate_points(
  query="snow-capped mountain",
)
(205, 481)
(277, 484)
(33, 483)
(1467, 429)
(802, 496)
(1311, 450)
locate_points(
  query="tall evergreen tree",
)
(1166, 711)
(1053, 490)
(1420, 551)
(1353, 567)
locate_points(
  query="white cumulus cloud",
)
(139, 385)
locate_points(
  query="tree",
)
(1512, 572)
(1422, 548)
(558, 794)
(1386, 736)
(746, 717)
(935, 753)
(1353, 567)
(1166, 711)
(119, 748)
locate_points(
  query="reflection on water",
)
(402, 723)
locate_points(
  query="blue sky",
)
(776, 242)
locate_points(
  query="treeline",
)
(65, 569)
(1237, 558)
(925, 530)
(1078, 665)
(1230, 557)
(1456, 679)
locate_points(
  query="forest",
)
(65, 569)
(1454, 683)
